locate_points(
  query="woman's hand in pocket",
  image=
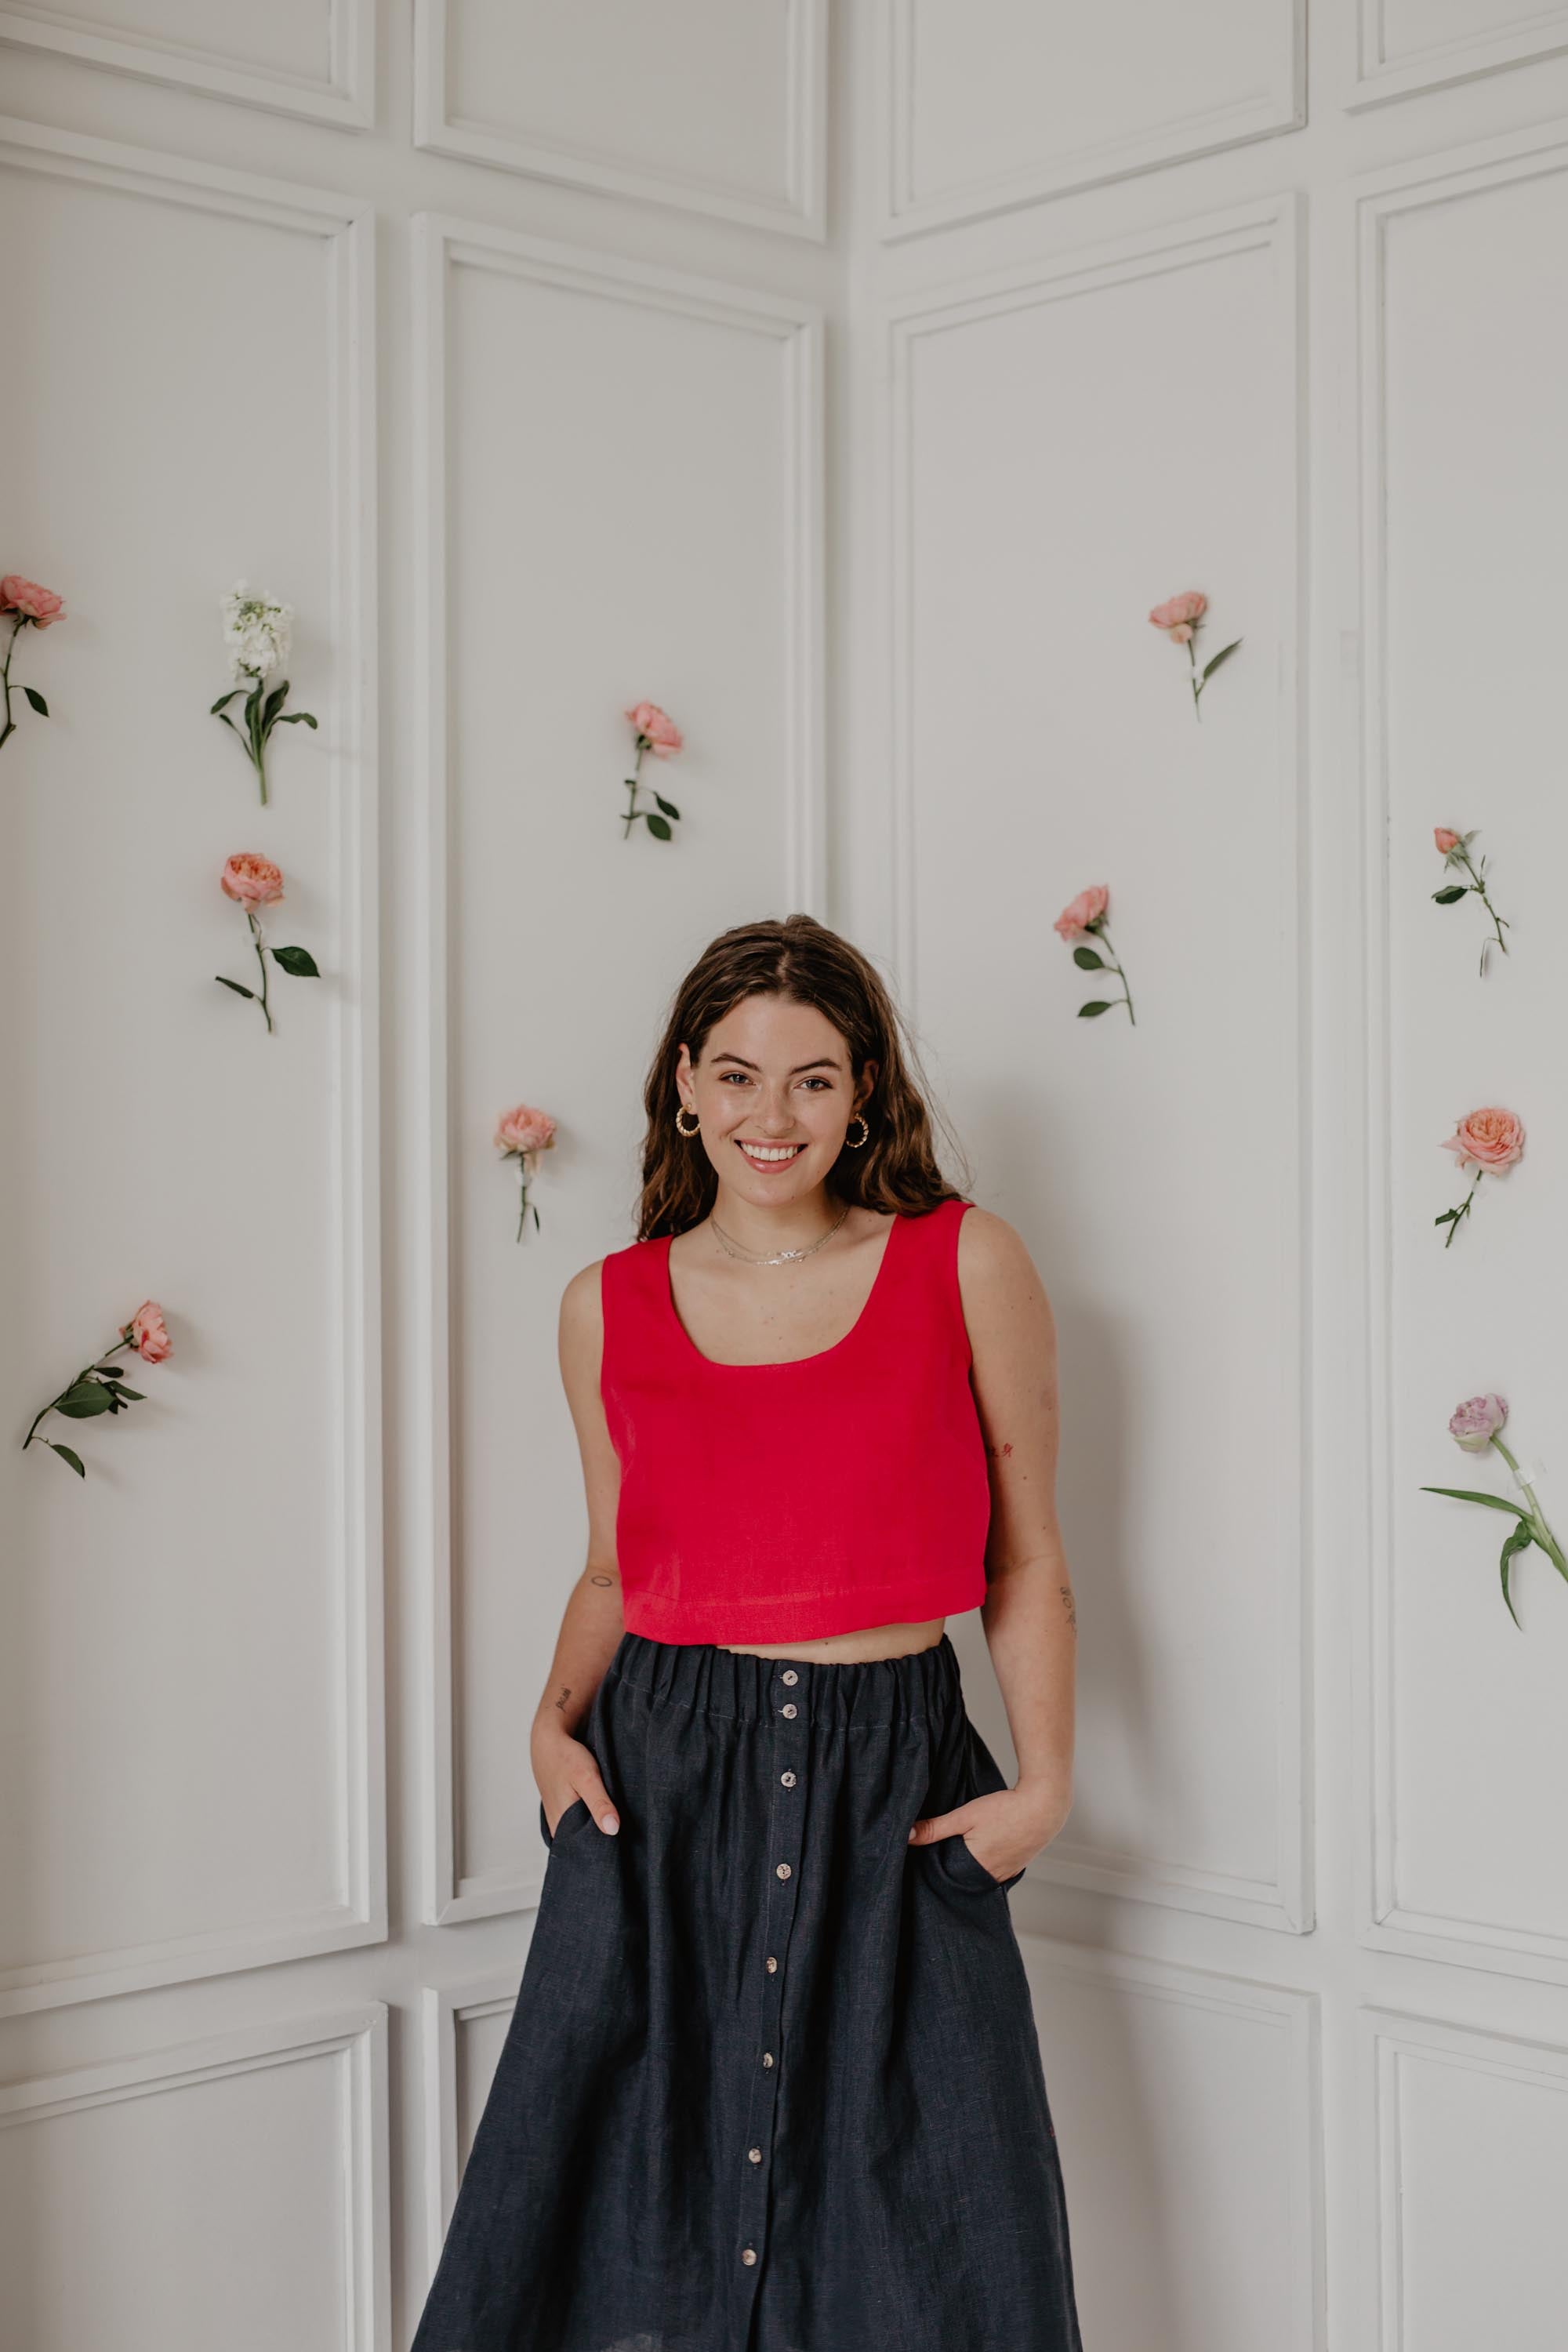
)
(1005, 1829)
(564, 1769)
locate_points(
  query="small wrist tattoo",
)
(1070, 1605)
(565, 1694)
(601, 1579)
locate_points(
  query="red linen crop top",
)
(781, 1502)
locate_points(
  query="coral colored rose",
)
(1475, 1422)
(1177, 614)
(39, 605)
(663, 735)
(251, 880)
(1087, 910)
(1445, 839)
(524, 1129)
(147, 1327)
(1491, 1138)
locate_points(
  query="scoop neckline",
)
(783, 1363)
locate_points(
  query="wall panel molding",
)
(796, 330)
(1376, 78)
(346, 97)
(356, 2040)
(801, 210)
(902, 213)
(1483, 1943)
(345, 232)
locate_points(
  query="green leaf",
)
(657, 827)
(84, 1400)
(1087, 960)
(296, 719)
(36, 699)
(667, 806)
(1098, 1004)
(229, 722)
(224, 699)
(1518, 1539)
(273, 704)
(1448, 1217)
(298, 960)
(1210, 667)
(1469, 1494)
(1451, 896)
(235, 985)
(66, 1455)
(135, 1395)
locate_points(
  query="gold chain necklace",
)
(783, 1257)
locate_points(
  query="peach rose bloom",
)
(147, 1327)
(251, 880)
(1445, 839)
(662, 731)
(39, 605)
(1491, 1139)
(1177, 614)
(524, 1129)
(1073, 922)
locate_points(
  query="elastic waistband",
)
(869, 1692)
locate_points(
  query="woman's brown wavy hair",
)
(894, 1170)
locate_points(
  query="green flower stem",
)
(261, 958)
(1104, 938)
(1479, 888)
(17, 626)
(633, 812)
(1197, 684)
(86, 1373)
(1538, 1526)
(1462, 1211)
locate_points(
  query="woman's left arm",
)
(1030, 1620)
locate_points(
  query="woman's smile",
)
(767, 1156)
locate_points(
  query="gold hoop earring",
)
(687, 1131)
(864, 1134)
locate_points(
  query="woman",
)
(772, 2082)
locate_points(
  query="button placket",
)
(779, 1879)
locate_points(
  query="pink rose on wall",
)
(1181, 617)
(1456, 849)
(1491, 1142)
(253, 881)
(657, 732)
(523, 1134)
(1476, 1426)
(99, 1387)
(1080, 923)
(28, 606)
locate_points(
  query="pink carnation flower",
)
(147, 1330)
(1177, 614)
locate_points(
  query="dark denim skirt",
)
(772, 2082)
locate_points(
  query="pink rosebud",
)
(39, 605)
(1475, 1422)
(147, 1329)
(1445, 839)
(1177, 613)
(662, 732)
(524, 1129)
(1085, 910)
(1491, 1139)
(251, 880)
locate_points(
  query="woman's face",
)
(774, 1094)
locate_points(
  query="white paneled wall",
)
(852, 384)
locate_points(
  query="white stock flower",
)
(255, 631)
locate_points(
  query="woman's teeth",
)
(768, 1155)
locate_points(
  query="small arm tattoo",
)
(601, 1579)
(1070, 1605)
(565, 1694)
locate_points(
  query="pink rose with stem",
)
(29, 607)
(1475, 1426)
(1181, 618)
(253, 881)
(656, 732)
(1456, 849)
(99, 1388)
(1490, 1141)
(1085, 920)
(523, 1134)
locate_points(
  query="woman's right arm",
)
(592, 1625)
